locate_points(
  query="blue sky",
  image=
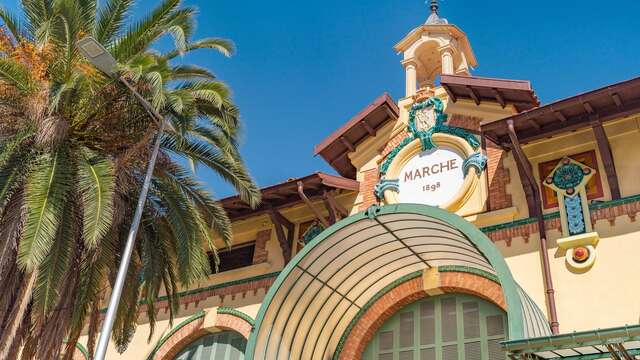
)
(303, 68)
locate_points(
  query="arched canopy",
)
(310, 305)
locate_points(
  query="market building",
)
(465, 221)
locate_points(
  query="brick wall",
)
(367, 188)
(498, 178)
(466, 122)
(180, 339)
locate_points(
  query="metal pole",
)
(114, 300)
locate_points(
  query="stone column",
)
(411, 71)
(447, 61)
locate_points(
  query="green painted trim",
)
(163, 339)
(575, 339)
(214, 287)
(479, 239)
(367, 305)
(555, 215)
(236, 313)
(469, 270)
(82, 349)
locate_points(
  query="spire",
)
(434, 18)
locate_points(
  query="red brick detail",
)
(233, 323)
(232, 291)
(395, 141)
(181, 338)
(471, 284)
(498, 177)
(367, 188)
(406, 293)
(610, 214)
(466, 122)
(260, 252)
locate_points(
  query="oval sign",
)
(432, 177)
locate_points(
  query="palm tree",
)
(73, 151)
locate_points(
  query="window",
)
(594, 186)
(219, 346)
(448, 327)
(234, 258)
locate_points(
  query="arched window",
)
(447, 327)
(226, 345)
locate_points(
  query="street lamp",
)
(103, 60)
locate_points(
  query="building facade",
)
(465, 221)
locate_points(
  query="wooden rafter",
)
(280, 223)
(347, 144)
(309, 204)
(371, 131)
(473, 95)
(499, 97)
(337, 206)
(607, 158)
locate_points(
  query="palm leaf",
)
(12, 23)
(223, 46)
(110, 19)
(47, 187)
(96, 183)
(15, 74)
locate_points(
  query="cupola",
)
(432, 49)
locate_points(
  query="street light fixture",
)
(104, 61)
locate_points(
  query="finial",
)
(434, 6)
(434, 19)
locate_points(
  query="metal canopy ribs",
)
(310, 306)
(621, 343)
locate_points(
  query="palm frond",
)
(230, 169)
(12, 23)
(15, 74)
(47, 187)
(96, 184)
(224, 46)
(110, 19)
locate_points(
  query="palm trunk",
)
(17, 315)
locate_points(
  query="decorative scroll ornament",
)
(425, 119)
(477, 160)
(569, 180)
(386, 184)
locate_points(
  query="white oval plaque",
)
(432, 177)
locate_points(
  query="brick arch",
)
(234, 320)
(179, 337)
(407, 292)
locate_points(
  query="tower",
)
(434, 48)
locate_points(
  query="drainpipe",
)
(546, 270)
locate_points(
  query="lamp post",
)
(103, 60)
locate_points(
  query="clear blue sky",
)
(303, 68)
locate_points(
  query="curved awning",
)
(312, 302)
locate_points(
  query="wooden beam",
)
(560, 116)
(347, 144)
(499, 97)
(330, 210)
(473, 94)
(313, 209)
(450, 93)
(607, 158)
(617, 99)
(368, 128)
(587, 106)
(284, 241)
(337, 206)
(533, 123)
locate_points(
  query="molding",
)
(164, 338)
(555, 215)
(237, 313)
